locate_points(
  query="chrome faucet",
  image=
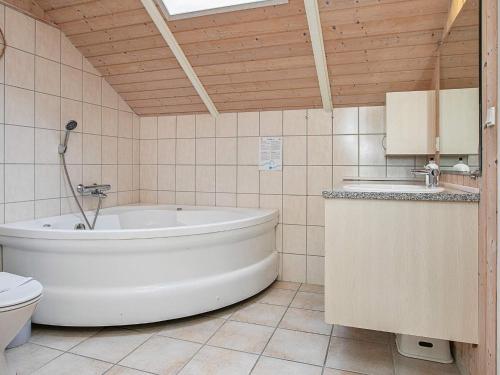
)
(431, 173)
(93, 190)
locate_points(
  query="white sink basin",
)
(391, 188)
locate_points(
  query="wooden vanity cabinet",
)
(407, 267)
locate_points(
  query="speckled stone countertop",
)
(448, 195)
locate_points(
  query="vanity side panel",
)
(403, 266)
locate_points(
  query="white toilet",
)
(19, 297)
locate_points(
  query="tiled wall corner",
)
(44, 83)
(196, 160)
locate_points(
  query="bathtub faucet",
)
(93, 190)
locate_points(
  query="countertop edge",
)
(445, 196)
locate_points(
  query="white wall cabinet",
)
(407, 267)
(459, 121)
(411, 123)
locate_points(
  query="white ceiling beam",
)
(314, 22)
(169, 38)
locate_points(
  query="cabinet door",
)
(459, 121)
(410, 119)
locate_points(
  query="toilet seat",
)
(18, 294)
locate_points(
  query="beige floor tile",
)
(217, 361)
(197, 329)
(312, 288)
(298, 346)
(260, 313)
(29, 357)
(111, 344)
(161, 355)
(307, 300)
(360, 356)
(306, 320)
(250, 338)
(332, 371)
(120, 370)
(274, 366)
(61, 338)
(275, 296)
(362, 334)
(286, 285)
(410, 366)
(226, 312)
(74, 364)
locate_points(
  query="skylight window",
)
(193, 8)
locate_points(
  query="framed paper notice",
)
(271, 153)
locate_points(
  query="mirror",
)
(460, 93)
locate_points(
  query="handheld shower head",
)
(71, 125)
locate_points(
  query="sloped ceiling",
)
(259, 59)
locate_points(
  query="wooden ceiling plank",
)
(179, 54)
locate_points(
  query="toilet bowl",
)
(19, 297)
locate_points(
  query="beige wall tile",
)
(109, 150)
(47, 111)
(47, 208)
(109, 95)
(319, 150)
(294, 239)
(46, 145)
(319, 122)
(167, 126)
(272, 201)
(225, 151)
(148, 197)
(48, 41)
(166, 177)
(47, 184)
(294, 267)
(19, 211)
(125, 179)
(19, 106)
(185, 151)
(166, 151)
(247, 200)
(149, 151)
(91, 88)
(69, 54)
(271, 123)
(205, 126)
(319, 178)
(19, 30)
(248, 179)
(316, 270)
(248, 150)
(205, 151)
(19, 182)
(345, 150)
(205, 178)
(149, 128)
(271, 182)
(185, 178)
(225, 179)
(125, 151)
(372, 120)
(345, 120)
(109, 121)
(294, 150)
(91, 149)
(186, 126)
(225, 199)
(295, 122)
(294, 209)
(72, 86)
(295, 180)
(19, 144)
(187, 198)
(248, 124)
(226, 125)
(315, 240)
(125, 124)
(166, 197)
(315, 210)
(92, 119)
(149, 177)
(371, 151)
(19, 68)
(205, 199)
(370, 171)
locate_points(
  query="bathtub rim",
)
(13, 230)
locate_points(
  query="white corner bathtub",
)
(143, 263)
